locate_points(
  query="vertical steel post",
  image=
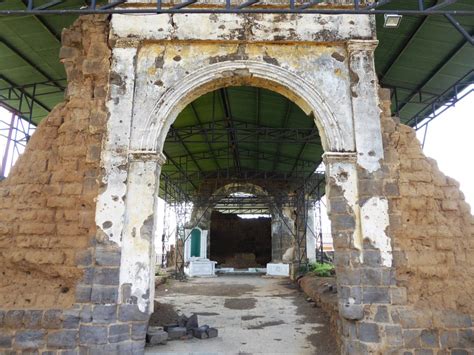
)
(3, 168)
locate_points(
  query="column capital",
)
(354, 45)
(339, 157)
(145, 156)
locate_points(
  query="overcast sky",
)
(450, 141)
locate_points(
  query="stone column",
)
(365, 103)
(282, 235)
(311, 235)
(138, 254)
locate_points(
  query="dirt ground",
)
(254, 315)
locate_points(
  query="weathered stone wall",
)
(59, 280)
(323, 291)
(47, 204)
(421, 303)
(432, 233)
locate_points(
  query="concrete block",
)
(182, 320)
(376, 295)
(92, 334)
(394, 335)
(369, 332)
(107, 276)
(130, 312)
(429, 338)
(156, 335)
(423, 352)
(63, 339)
(52, 319)
(372, 258)
(119, 332)
(212, 332)
(71, 319)
(104, 294)
(411, 338)
(139, 331)
(343, 221)
(280, 269)
(382, 315)
(169, 326)
(107, 256)
(84, 258)
(459, 352)
(104, 314)
(466, 338)
(30, 339)
(349, 277)
(6, 339)
(85, 314)
(176, 333)
(83, 293)
(14, 319)
(88, 276)
(192, 322)
(456, 320)
(32, 319)
(201, 332)
(448, 338)
(371, 276)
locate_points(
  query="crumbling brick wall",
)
(432, 227)
(432, 233)
(47, 204)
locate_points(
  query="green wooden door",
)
(196, 243)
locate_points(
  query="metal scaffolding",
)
(16, 132)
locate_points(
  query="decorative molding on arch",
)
(155, 127)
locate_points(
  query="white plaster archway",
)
(151, 134)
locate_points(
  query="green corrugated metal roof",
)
(423, 58)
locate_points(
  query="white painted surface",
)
(137, 260)
(311, 236)
(278, 269)
(269, 27)
(200, 267)
(341, 169)
(365, 104)
(374, 220)
(110, 208)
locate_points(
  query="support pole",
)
(3, 168)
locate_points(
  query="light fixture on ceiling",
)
(392, 20)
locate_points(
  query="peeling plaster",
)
(344, 175)
(375, 220)
(160, 65)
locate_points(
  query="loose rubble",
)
(185, 328)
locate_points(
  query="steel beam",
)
(29, 62)
(234, 144)
(25, 93)
(158, 7)
(434, 72)
(204, 133)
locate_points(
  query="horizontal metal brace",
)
(158, 7)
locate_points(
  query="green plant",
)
(322, 269)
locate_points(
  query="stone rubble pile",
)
(185, 328)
